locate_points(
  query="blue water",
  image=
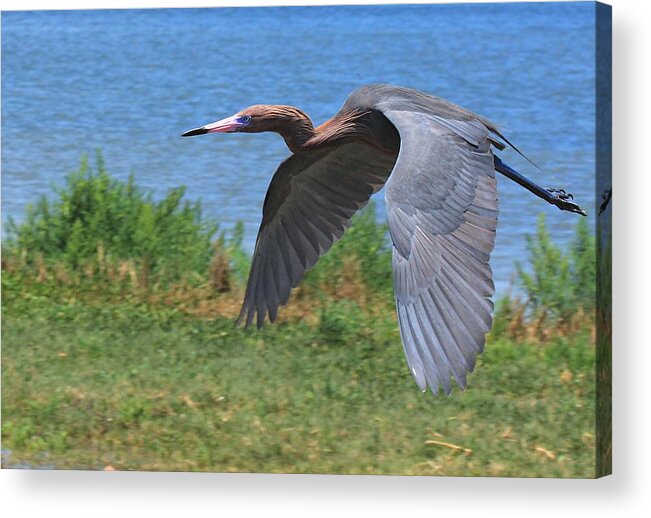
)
(129, 82)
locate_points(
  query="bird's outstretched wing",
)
(442, 213)
(308, 206)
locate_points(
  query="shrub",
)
(361, 259)
(341, 323)
(556, 282)
(230, 245)
(94, 217)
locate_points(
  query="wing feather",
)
(442, 215)
(309, 204)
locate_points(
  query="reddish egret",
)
(436, 161)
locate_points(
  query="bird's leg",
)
(557, 197)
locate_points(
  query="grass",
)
(89, 385)
(112, 359)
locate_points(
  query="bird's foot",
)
(561, 193)
(562, 200)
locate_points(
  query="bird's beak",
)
(227, 125)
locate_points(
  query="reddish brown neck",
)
(296, 131)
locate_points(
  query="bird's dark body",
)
(436, 163)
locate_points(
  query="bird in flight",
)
(435, 160)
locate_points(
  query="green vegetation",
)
(364, 253)
(558, 289)
(95, 220)
(558, 284)
(123, 356)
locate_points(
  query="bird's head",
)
(254, 119)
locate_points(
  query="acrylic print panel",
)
(451, 342)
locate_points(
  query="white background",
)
(626, 493)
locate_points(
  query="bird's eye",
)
(245, 119)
